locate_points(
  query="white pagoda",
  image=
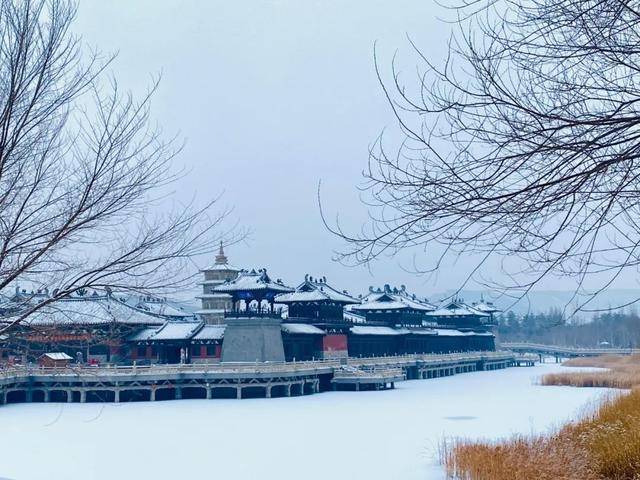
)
(215, 304)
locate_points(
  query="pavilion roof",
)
(484, 306)
(392, 299)
(316, 290)
(253, 282)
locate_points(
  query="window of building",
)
(211, 350)
(195, 350)
(141, 351)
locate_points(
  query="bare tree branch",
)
(522, 144)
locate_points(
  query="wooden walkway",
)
(224, 380)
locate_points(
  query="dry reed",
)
(603, 445)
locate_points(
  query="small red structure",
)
(56, 359)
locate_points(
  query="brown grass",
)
(623, 372)
(603, 445)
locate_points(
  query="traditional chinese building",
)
(214, 303)
(90, 328)
(252, 291)
(457, 314)
(393, 307)
(317, 303)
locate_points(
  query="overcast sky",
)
(272, 97)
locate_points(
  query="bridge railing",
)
(542, 348)
(245, 367)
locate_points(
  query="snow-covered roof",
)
(57, 356)
(90, 310)
(221, 267)
(365, 330)
(399, 295)
(210, 332)
(316, 290)
(422, 331)
(457, 309)
(162, 307)
(176, 331)
(142, 335)
(392, 301)
(301, 328)
(486, 307)
(451, 332)
(253, 281)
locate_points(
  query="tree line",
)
(617, 329)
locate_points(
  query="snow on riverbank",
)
(341, 435)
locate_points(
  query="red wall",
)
(334, 343)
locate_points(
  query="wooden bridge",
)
(559, 352)
(228, 380)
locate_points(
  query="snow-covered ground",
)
(344, 435)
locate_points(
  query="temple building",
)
(214, 304)
(315, 301)
(90, 328)
(316, 308)
(486, 307)
(457, 314)
(393, 307)
(252, 291)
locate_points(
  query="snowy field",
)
(343, 435)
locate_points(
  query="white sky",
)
(272, 97)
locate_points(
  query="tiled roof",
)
(316, 290)
(253, 281)
(302, 328)
(90, 311)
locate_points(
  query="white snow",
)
(343, 435)
(57, 356)
(302, 328)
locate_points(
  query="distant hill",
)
(545, 300)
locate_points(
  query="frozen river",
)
(343, 435)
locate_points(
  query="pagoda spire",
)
(221, 258)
